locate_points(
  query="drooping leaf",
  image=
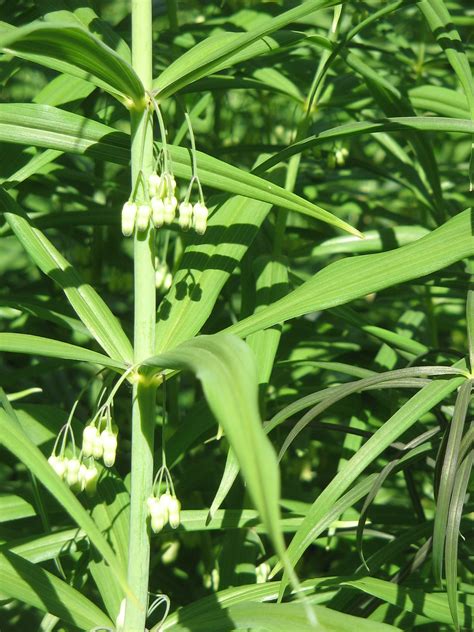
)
(74, 50)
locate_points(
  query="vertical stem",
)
(143, 409)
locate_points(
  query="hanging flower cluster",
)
(163, 508)
(99, 441)
(73, 470)
(158, 203)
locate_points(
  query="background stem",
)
(143, 411)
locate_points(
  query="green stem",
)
(144, 392)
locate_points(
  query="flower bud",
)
(89, 437)
(72, 472)
(59, 465)
(157, 523)
(161, 273)
(158, 209)
(89, 477)
(174, 512)
(167, 282)
(164, 503)
(155, 185)
(97, 447)
(170, 203)
(143, 217)
(153, 505)
(109, 444)
(129, 214)
(185, 215)
(171, 185)
(200, 215)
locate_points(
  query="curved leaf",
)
(75, 51)
(22, 580)
(37, 345)
(353, 277)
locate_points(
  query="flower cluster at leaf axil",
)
(155, 200)
(79, 472)
(99, 441)
(161, 207)
(164, 508)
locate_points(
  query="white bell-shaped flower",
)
(109, 444)
(158, 212)
(155, 185)
(185, 215)
(143, 217)
(200, 215)
(59, 464)
(72, 472)
(90, 435)
(170, 203)
(129, 215)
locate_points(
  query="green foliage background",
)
(312, 128)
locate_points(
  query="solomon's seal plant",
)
(236, 315)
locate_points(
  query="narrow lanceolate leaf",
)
(37, 345)
(434, 606)
(212, 54)
(448, 475)
(393, 124)
(226, 368)
(196, 286)
(26, 582)
(75, 51)
(45, 126)
(225, 177)
(393, 428)
(56, 129)
(88, 305)
(452, 533)
(274, 617)
(19, 444)
(353, 277)
(441, 24)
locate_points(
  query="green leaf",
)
(22, 580)
(226, 368)
(452, 533)
(353, 277)
(37, 345)
(205, 267)
(14, 507)
(393, 124)
(89, 306)
(400, 422)
(73, 50)
(448, 475)
(441, 24)
(19, 444)
(56, 129)
(111, 512)
(434, 606)
(275, 617)
(217, 52)
(42, 548)
(44, 126)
